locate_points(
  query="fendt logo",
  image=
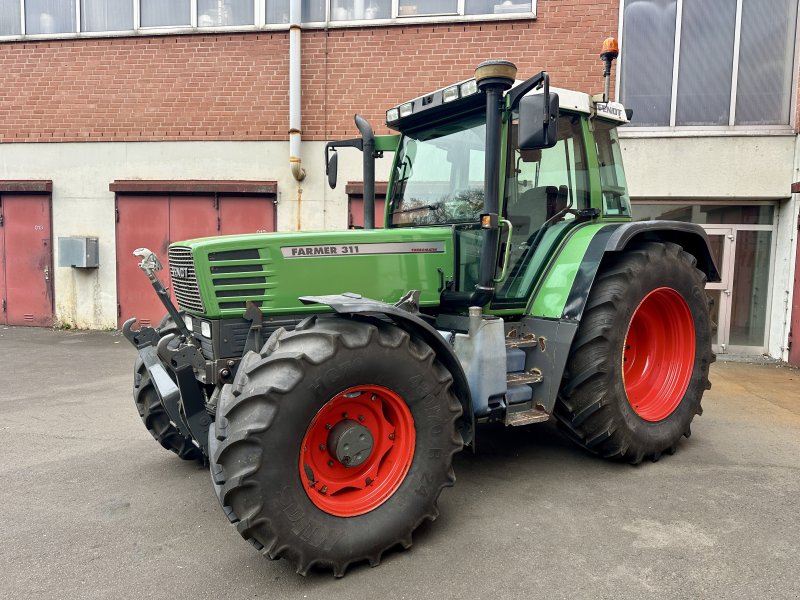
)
(180, 272)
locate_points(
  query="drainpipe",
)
(294, 91)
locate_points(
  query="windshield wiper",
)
(430, 207)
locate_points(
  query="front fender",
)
(353, 304)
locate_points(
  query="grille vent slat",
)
(186, 290)
(224, 277)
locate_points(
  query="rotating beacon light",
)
(609, 53)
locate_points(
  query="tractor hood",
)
(215, 277)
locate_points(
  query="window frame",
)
(731, 128)
(260, 23)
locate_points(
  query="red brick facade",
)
(235, 86)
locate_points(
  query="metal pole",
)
(295, 131)
(368, 151)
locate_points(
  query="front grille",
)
(236, 280)
(184, 279)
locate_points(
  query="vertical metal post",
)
(493, 78)
(368, 152)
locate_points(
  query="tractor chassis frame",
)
(172, 372)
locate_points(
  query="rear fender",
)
(616, 238)
(352, 304)
(609, 240)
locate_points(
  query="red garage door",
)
(26, 258)
(355, 204)
(154, 220)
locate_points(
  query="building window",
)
(106, 15)
(10, 23)
(165, 13)
(723, 63)
(50, 16)
(223, 13)
(62, 18)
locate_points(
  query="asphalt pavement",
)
(92, 507)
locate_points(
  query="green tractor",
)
(328, 378)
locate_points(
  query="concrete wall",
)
(83, 204)
(756, 167)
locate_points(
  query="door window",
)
(540, 184)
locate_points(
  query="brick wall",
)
(235, 86)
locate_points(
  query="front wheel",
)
(152, 412)
(333, 444)
(639, 363)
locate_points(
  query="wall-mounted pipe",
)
(295, 131)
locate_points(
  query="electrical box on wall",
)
(80, 252)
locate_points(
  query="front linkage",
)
(171, 361)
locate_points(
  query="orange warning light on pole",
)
(610, 48)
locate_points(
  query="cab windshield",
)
(439, 174)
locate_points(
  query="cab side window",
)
(540, 184)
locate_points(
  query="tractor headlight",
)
(468, 88)
(188, 321)
(392, 115)
(205, 329)
(450, 94)
(406, 109)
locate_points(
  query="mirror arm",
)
(535, 82)
(351, 143)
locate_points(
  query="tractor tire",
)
(289, 487)
(639, 363)
(152, 412)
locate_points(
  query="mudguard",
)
(614, 237)
(353, 304)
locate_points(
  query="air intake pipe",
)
(493, 77)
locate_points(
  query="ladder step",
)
(525, 417)
(523, 377)
(522, 343)
(526, 340)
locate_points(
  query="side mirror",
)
(538, 121)
(332, 168)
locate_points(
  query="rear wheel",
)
(333, 444)
(639, 363)
(152, 412)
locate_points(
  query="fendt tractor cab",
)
(329, 377)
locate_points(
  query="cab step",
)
(524, 414)
(524, 377)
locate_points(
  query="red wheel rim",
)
(658, 357)
(350, 491)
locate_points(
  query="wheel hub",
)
(350, 443)
(357, 450)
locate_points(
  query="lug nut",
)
(368, 481)
(328, 426)
(374, 397)
(391, 436)
(344, 415)
(323, 489)
(225, 372)
(330, 463)
(361, 418)
(322, 446)
(231, 363)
